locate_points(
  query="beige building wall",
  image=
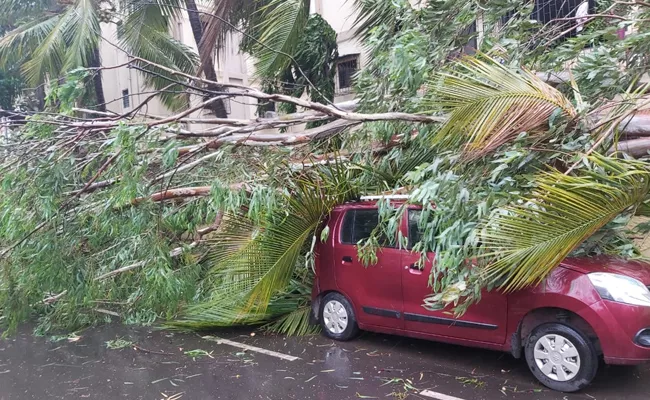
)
(341, 15)
(122, 83)
(124, 88)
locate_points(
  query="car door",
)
(484, 321)
(375, 290)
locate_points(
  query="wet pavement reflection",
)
(155, 364)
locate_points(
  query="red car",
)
(586, 308)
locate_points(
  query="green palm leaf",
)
(531, 238)
(146, 35)
(252, 265)
(82, 33)
(490, 105)
(295, 323)
(49, 55)
(21, 42)
(265, 265)
(280, 24)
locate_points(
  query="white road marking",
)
(251, 348)
(438, 396)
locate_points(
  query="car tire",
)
(561, 357)
(337, 317)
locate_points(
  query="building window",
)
(553, 11)
(126, 99)
(346, 67)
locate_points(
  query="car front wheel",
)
(561, 357)
(337, 317)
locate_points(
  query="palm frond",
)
(264, 265)
(529, 239)
(82, 33)
(252, 266)
(373, 13)
(146, 35)
(490, 105)
(49, 55)
(295, 323)
(20, 42)
(280, 23)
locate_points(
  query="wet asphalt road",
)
(372, 366)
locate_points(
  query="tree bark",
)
(96, 62)
(217, 107)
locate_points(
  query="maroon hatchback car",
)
(586, 308)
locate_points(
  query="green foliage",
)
(489, 105)
(311, 70)
(11, 85)
(538, 191)
(252, 264)
(528, 239)
(198, 353)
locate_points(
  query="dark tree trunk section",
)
(39, 93)
(95, 62)
(218, 107)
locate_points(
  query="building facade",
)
(124, 88)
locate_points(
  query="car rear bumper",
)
(623, 331)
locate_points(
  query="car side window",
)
(358, 225)
(414, 232)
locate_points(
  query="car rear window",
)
(359, 224)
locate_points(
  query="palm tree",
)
(271, 32)
(54, 37)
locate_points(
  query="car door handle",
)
(414, 269)
(347, 259)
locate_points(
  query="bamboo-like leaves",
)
(490, 105)
(529, 239)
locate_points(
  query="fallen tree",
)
(215, 226)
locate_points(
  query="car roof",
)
(360, 204)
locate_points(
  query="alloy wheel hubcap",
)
(557, 357)
(335, 316)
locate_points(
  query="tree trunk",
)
(217, 107)
(96, 62)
